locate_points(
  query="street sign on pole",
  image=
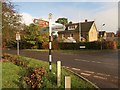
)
(17, 36)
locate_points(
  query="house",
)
(110, 36)
(102, 35)
(107, 36)
(41, 23)
(83, 31)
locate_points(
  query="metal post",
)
(50, 42)
(102, 36)
(80, 30)
(18, 52)
(101, 40)
(18, 38)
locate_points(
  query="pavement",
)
(100, 67)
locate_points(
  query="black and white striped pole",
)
(50, 42)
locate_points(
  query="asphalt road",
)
(99, 67)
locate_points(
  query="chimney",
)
(85, 20)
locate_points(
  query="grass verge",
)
(12, 75)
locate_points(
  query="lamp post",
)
(50, 42)
(80, 31)
(101, 37)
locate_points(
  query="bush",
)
(45, 45)
(111, 45)
(88, 45)
(55, 45)
(14, 59)
(35, 79)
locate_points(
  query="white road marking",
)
(76, 69)
(86, 74)
(89, 72)
(81, 60)
(93, 61)
(102, 74)
(99, 77)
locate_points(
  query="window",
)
(71, 27)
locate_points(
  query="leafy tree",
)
(62, 21)
(10, 22)
(32, 38)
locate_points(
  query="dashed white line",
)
(99, 77)
(102, 74)
(76, 69)
(89, 72)
(86, 74)
(93, 61)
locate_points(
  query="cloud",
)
(107, 13)
(27, 18)
(109, 16)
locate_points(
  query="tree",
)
(10, 22)
(32, 38)
(62, 21)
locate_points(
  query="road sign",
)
(82, 46)
(17, 36)
(58, 27)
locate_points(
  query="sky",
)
(100, 12)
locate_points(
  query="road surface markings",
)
(89, 72)
(81, 60)
(99, 77)
(86, 74)
(76, 69)
(93, 61)
(102, 74)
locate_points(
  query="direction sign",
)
(17, 36)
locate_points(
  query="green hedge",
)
(88, 45)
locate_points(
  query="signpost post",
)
(18, 38)
(50, 42)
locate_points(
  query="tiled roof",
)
(85, 26)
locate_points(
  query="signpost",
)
(18, 38)
(50, 42)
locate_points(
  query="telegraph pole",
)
(50, 42)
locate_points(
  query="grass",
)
(12, 74)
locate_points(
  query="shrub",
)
(45, 45)
(35, 79)
(111, 45)
(89, 45)
(14, 60)
(55, 45)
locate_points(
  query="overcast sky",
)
(100, 12)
